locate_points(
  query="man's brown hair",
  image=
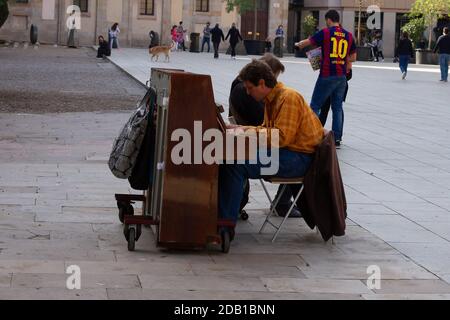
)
(256, 71)
(274, 63)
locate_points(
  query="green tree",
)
(243, 6)
(309, 26)
(430, 11)
(415, 28)
(4, 12)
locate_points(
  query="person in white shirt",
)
(114, 34)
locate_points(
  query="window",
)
(202, 5)
(83, 4)
(147, 7)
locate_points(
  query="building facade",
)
(137, 17)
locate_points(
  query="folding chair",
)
(274, 203)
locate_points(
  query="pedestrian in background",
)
(279, 33)
(180, 36)
(114, 34)
(72, 29)
(404, 52)
(103, 50)
(173, 34)
(154, 39)
(206, 37)
(217, 36)
(332, 80)
(234, 36)
(443, 45)
(379, 44)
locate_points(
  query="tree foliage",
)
(242, 6)
(430, 11)
(309, 25)
(415, 28)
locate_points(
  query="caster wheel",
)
(138, 231)
(125, 210)
(244, 215)
(131, 239)
(126, 231)
(226, 242)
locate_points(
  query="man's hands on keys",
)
(237, 129)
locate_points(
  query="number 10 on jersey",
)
(339, 48)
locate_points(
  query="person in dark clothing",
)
(154, 39)
(246, 111)
(216, 37)
(103, 48)
(235, 37)
(404, 52)
(327, 105)
(443, 45)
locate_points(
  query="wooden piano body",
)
(182, 203)
(183, 198)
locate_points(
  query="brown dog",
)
(156, 51)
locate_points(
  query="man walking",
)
(207, 37)
(338, 50)
(234, 36)
(443, 45)
(217, 36)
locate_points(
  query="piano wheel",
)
(226, 241)
(125, 209)
(131, 239)
(244, 215)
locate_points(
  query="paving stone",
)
(149, 294)
(31, 266)
(5, 280)
(52, 294)
(142, 267)
(88, 281)
(413, 287)
(315, 285)
(200, 283)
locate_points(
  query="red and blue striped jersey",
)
(337, 44)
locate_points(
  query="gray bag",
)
(126, 147)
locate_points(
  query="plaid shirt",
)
(299, 128)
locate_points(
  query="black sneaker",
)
(338, 144)
(283, 209)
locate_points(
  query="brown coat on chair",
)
(323, 203)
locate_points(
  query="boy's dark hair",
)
(256, 71)
(405, 35)
(446, 30)
(333, 15)
(273, 62)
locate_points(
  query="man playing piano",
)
(298, 127)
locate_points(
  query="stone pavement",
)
(57, 203)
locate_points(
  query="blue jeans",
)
(334, 88)
(208, 42)
(232, 177)
(404, 61)
(444, 59)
